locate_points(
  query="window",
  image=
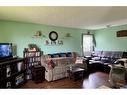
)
(88, 45)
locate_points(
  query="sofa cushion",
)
(96, 58)
(48, 56)
(106, 54)
(97, 53)
(124, 55)
(106, 60)
(62, 54)
(50, 64)
(113, 54)
(117, 54)
(55, 55)
(51, 55)
(68, 54)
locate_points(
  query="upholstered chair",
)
(117, 76)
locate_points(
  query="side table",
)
(38, 74)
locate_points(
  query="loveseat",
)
(57, 64)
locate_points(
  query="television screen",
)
(5, 50)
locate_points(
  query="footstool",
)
(76, 73)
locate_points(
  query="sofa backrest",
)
(112, 54)
(58, 60)
(57, 55)
(124, 55)
(87, 53)
(97, 53)
(117, 54)
(106, 54)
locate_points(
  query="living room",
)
(24, 31)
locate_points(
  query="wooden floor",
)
(96, 80)
(93, 81)
(65, 83)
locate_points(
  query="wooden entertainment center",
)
(12, 72)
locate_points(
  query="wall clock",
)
(53, 36)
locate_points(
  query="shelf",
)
(20, 84)
(33, 58)
(11, 61)
(11, 72)
(15, 74)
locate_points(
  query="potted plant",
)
(33, 47)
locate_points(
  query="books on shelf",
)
(33, 58)
(19, 79)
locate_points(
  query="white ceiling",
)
(75, 17)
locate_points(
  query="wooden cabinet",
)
(38, 74)
(12, 73)
(33, 59)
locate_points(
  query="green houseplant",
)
(33, 47)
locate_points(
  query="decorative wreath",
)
(53, 36)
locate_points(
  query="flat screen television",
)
(5, 50)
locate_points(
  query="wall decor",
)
(51, 43)
(47, 42)
(38, 34)
(60, 42)
(121, 33)
(68, 35)
(53, 36)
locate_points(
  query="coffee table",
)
(76, 73)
